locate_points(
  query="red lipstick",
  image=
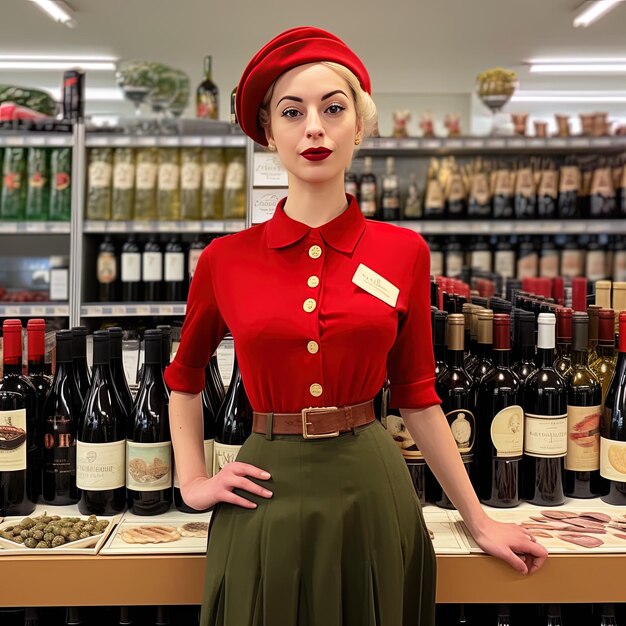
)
(316, 154)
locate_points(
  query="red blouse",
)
(304, 333)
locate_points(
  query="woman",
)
(317, 521)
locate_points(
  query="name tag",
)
(374, 283)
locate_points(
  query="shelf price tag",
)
(118, 227)
(170, 141)
(59, 140)
(16, 310)
(164, 309)
(8, 227)
(234, 226)
(39, 311)
(121, 141)
(235, 142)
(213, 226)
(119, 310)
(580, 142)
(15, 141)
(146, 141)
(431, 144)
(143, 310)
(474, 144)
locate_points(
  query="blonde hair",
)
(364, 105)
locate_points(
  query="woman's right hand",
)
(203, 493)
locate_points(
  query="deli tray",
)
(162, 534)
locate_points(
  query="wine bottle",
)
(481, 255)
(117, 368)
(527, 258)
(593, 311)
(99, 176)
(82, 373)
(38, 192)
(101, 439)
(166, 345)
(607, 615)
(504, 615)
(207, 94)
(603, 365)
(168, 184)
(524, 339)
(191, 183)
(61, 183)
(146, 185)
(439, 322)
(13, 198)
(602, 202)
(233, 424)
(413, 200)
(60, 416)
(500, 425)
(209, 411)
(152, 270)
(548, 259)
(390, 201)
(454, 258)
(36, 332)
(504, 258)
(483, 364)
(162, 616)
(456, 390)
(351, 184)
(106, 271)
(368, 189)
(525, 193)
(213, 172)
(193, 256)
(218, 383)
(553, 613)
(584, 398)
(569, 186)
(235, 184)
(148, 444)
(548, 192)
(479, 200)
(545, 423)
(174, 262)
(613, 430)
(503, 193)
(130, 260)
(563, 361)
(123, 184)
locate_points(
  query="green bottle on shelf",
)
(146, 184)
(38, 191)
(61, 185)
(13, 200)
(99, 184)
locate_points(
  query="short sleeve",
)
(202, 332)
(411, 361)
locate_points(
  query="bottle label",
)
(209, 452)
(59, 446)
(613, 460)
(602, 184)
(206, 106)
(107, 267)
(570, 179)
(596, 265)
(504, 183)
(434, 197)
(507, 432)
(619, 266)
(12, 181)
(436, 263)
(481, 260)
(190, 176)
(100, 175)
(37, 180)
(194, 257)
(545, 435)
(463, 427)
(124, 176)
(148, 466)
(454, 264)
(226, 361)
(457, 189)
(583, 438)
(391, 202)
(62, 181)
(352, 188)
(480, 189)
(572, 263)
(168, 176)
(505, 263)
(131, 267)
(13, 440)
(146, 176)
(152, 266)
(525, 183)
(549, 184)
(235, 176)
(398, 430)
(549, 265)
(223, 454)
(174, 267)
(213, 176)
(527, 266)
(100, 466)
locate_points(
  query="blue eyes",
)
(333, 109)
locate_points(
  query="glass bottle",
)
(368, 189)
(413, 200)
(390, 202)
(61, 185)
(123, 183)
(603, 365)
(168, 195)
(38, 192)
(146, 184)
(82, 373)
(117, 368)
(213, 172)
(235, 185)
(130, 262)
(207, 94)
(190, 183)
(106, 271)
(99, 180)
(563, 361)
(13, 199)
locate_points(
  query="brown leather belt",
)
(315, 422)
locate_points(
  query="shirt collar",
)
(342, 233)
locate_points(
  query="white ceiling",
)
(409, 46)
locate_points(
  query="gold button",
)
(315, 252)
(312, 347)
(309, 305)
(313, 281)
(315, 390)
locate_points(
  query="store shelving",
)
(207, 226)
(139, 309)
(165, 141)
(38, 309)
(35, 228)
(31, 140)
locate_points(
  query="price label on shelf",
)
(580, 142)
(430, 144)
(38, 311)
(602, 142)
(166, 227)
(191, 141)
(213, 226)
(235, 142)
(95, 311)
(37, 140)
(558, 142)
(171, 142)
(474, 144)
(454, 144)
(537, 143)
(121, 141)
(495, 143)
(146, 141)
(212, 142)
(119, 310)
(92, 226)
(15, 141)
(58, 227)
(8, 227)
(16, 310)
(118, 227)
(234, 226)
(34, 227)
(59, 140)
(143, 310)
(97, 142)
(163, 309)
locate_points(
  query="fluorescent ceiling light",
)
(569, 60)
(578, 68)
(61, 57)
(56, 65)
(57, 10)
(570, 96)
(92, 94)
(593, 11)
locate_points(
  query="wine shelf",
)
(165, 141)
(35, 228)
(476, 145)
(163, 309)
(39, 309)
(205, 226)
(27, 139)
(511, 227)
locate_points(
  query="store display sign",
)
(268, 171)
(264, 202)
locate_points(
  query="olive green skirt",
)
(342, 542)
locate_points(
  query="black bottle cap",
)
(526, 320)
(553, 610)
(101, 343)
(79, 341)
(153, 348)
(580, 331)
(64, 340)
(440, 321)
(11, 400)
(115, 347)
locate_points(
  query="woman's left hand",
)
(512, 544)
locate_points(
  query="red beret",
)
(296, 46)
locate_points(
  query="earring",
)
(357, 141)
(271, 147)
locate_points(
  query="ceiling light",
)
(578, 68)
(593, 11)
(58, 10)
(570, 96)
(56, 65)
(569, 60)
(60, 57)
(92, 94)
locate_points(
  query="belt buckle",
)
(316, 409)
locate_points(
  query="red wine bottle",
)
(130, 261)
(500, 425)
(60, 415)
(584, 399)
(524, 341)
(117, 368)
(79, 352)
(174, 274)
(482, 364)
(613, 432)
(101, 439)
(20, 425)
(149, 444)
(152, 270)
(106, 271)
(36, 332)
(456, 390)
(563, 361)
(545, 423)
(439, 340)
(166, 345)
